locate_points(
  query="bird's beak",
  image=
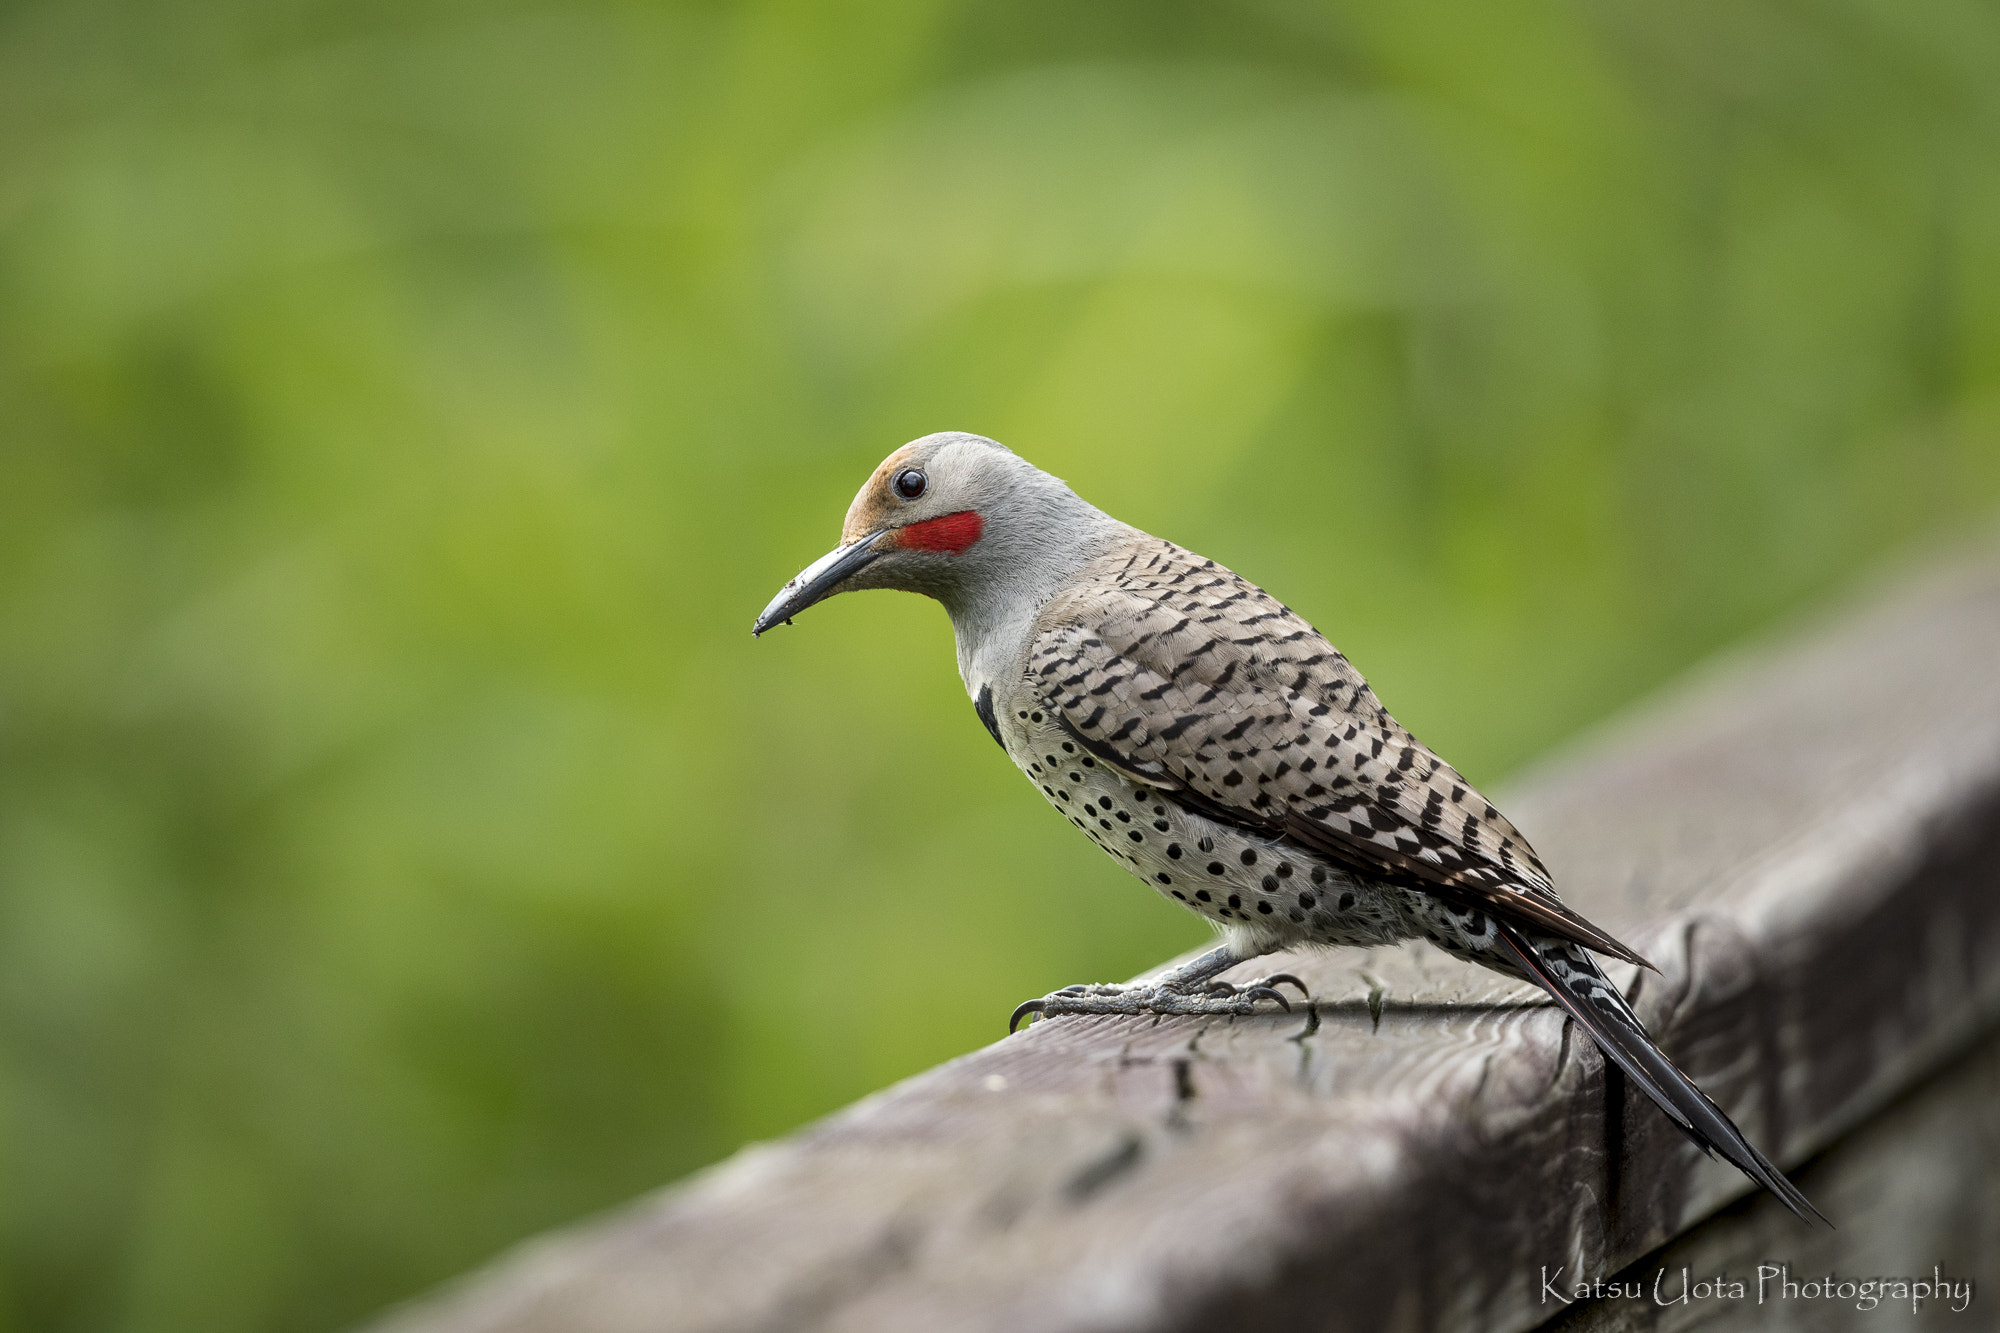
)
(821, 579)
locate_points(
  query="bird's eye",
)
(910, 483)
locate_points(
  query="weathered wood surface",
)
(1917, 1191)
(1806, 839)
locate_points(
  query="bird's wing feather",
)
(1195, 681)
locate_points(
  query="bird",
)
(1222, 750)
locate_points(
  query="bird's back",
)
(1199, 677)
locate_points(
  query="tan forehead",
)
(875, 501)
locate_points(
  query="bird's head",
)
(948, 515)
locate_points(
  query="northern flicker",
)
(1219, 748)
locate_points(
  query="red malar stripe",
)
(951, 533)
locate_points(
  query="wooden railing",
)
(1806, 839)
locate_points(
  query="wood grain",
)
(1918, 1199)
(1806, 839)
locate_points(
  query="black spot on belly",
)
(1206, 844)
(1215, 867)
(1319, 874)
(1203, 895)
(1307, 900)
(1284, 870)
(1135, 835)
(1264, 907)
(1235, 900)
(1346, 902)
(1249, 856)
(1164, 878)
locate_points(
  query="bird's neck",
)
(993, 610)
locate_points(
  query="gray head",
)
(957, 517)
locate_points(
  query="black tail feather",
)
(1575, 981)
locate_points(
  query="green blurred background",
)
(404, 409)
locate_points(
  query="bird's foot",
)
(1208, 997)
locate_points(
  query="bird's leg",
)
(1190, 988)
(1197, 973)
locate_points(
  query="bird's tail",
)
(1576, 982)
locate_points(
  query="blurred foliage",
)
(404, 408)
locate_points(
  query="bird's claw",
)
(1212, 997)
(1026, 1007)
(1264, 989)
